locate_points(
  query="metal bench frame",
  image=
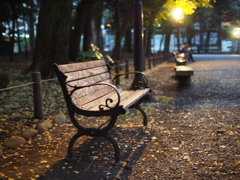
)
(183, 75)
(112, 107)
(179, 58)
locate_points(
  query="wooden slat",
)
(88, 73)
(184, 71)
(85, 73)
(137, 95)
(92, 95)
(94, 105)
(90, 80)
(88, 90)
(81, 65)
(126, 95)
(128, 98)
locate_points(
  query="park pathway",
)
(193, 133)
(197, 130)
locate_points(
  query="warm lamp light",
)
(177, 13)
(236, 32)
(108, 25)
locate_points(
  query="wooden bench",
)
(183, 74)
(89, 90)
(179, 58)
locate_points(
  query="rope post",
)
(127, 69)
(37, 95)
(154, 61)
(117, 72)
(149, 62)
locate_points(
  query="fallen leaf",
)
(15, 168)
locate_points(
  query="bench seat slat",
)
(184, 71)
(93, 95)
(88, 91)
(81, 65)
(94, 105)
(134, 97)
(90, 80)
(128, 98)
(75, 75)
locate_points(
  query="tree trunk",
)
(219, 40)
(167, 41)
(128, 42)
(87, 32)
(161, 42)
(117, 48)
(207, 42)
(25, 39)
(97, 37)
(79, 23)
(148, 40)
(127, 19)
(52, 36)
(145, 38)
(19, 39)
(189, 31)
(13, 30)
(1, 38)
(31, 25)
(122, 30)
(97, 33)
(201, 36)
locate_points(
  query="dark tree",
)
(128, 41)
(52, 40)
(167, 29)
(78, 27)
(122, 18)
(14, 14)
(97, 36)
(87, 37)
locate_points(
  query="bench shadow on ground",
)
(96, 155)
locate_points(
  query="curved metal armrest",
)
(145, 80)
(75, 88)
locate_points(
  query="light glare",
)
(177, 13)
(236, 32)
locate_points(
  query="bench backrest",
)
(84, 74)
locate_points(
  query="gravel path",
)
(199, 137)
(193, 132)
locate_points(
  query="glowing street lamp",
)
(236, 33)
(178, 15)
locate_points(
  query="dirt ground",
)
(193, 133)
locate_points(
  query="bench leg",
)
(115, 145)
(78, 135)
(145, 120)
(93, 132)
(184, 80)
(70, 147)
